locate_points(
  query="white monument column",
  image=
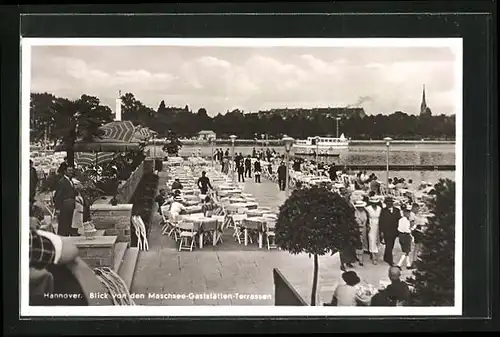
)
(118, 108)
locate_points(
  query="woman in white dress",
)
(373, 210)
(78, 212)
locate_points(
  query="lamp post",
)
(288, 141)
(232, 137)
(262, 136)
(212, 141)
(317, 151)
(387, 144)
(338, 120)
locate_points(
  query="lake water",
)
(374, 154)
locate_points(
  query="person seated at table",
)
(176, 185)
(160, 199)
(204, 183)
(345, 294)
(208, 206)
(177, 208)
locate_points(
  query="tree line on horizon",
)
(49, 114)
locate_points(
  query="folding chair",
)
(238, 223)
(270, 234)
(168, 228)
(187, 236)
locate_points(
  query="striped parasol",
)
(97, 158)
(144, 133)
(119, 130)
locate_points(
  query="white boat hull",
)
(320, 149)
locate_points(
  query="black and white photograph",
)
(199, 177)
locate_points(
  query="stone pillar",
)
(115, 220)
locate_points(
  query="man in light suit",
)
(64, 201)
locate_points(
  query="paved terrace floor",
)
(233, 268)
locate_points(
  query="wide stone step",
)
(127, 269)
(120, 249)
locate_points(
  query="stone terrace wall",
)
(98, 252)
(115, 220)
(127, 189)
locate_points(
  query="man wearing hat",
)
(389, 219)
(176, 208)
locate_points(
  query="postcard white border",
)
(230, 311)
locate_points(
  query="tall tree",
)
(434, 278)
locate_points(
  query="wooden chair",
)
(240, 230)
(187, 236)
(220, 227)
(270, 234)
(169, 228)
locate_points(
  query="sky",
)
(379, 79)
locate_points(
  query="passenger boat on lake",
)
(322, 146)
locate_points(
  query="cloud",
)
(382, 80)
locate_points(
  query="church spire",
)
(423, 105)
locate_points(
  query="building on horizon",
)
(206, 135)
(424, 109)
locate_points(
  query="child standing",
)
(405, 238)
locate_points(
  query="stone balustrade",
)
(98, 252)
(115, 220)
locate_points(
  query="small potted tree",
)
(316, 221)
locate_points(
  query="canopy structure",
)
(123, 131)
(144, 133)
(98, 158)
(118, 136)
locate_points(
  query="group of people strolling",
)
(244, 167)
(383, 225)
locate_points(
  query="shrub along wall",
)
(142, 201)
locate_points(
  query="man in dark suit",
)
(248, 167)
(388, 222)
(332, 172)
(33, 182)
(257, 170)
(62, 168)
(282, 176)
(241, 169)
(64, 202)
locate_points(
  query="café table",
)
(255, 213)
(226, 187)
(235, 200)
(233, 191)
(235, 206)
(251, 205)
(203, 223)
(256, 223)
